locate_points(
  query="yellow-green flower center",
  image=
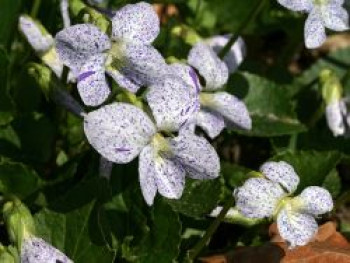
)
(160, 144)
(116, 58)
(320, 2)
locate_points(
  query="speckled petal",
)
(144, 65)
(231, 108)
(118, 131)
(186, 73)
(282, 173)
(172, 103)
(297, 229)
(314, 31)
(196, 155)
(212, 69)
(92, 84)
(316, 200)
(137, 23)
(147, 172)
(297, 5)
(335, 119)
(76, 44)
(258, 197)
(36, 250)
(211, 122)
(335, 17)
(40, 41)
(122, 81)
(234, 56)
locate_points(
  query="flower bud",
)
(331, 87)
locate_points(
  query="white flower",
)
(120, 132)
(37, 250)
(127, 56)
(322, 14)
(269, 196)
(218, 109)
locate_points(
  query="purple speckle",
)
(122, 149)
(194, 78)
(85, 75)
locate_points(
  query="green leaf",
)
(332, 182)
(9, 11)
(161, 244)
(75, 233)
(199, 197)
(234, 174)
(18, 179)
(311, 166)
(270, 105)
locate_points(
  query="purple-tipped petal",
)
(40, 41)
(314, 31)
(335, 17)
(231, 108)
(76, 44)
(137, 23)
(196, 155)
(143, 64)
(147, 173)
(316, 200)
(36, 250)
(258, 197)
(92, 84)
(297, 5)
(212, 69)
(212, 123)
(118, 131)
(186, 73)
(296, 228)
(172, 102)
(282, 173)
(234, 56)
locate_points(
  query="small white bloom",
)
(322, 14)
(127, 55)
(37, 250)
(269, 196)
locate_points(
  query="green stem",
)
(211, 229)
(234, 37)
(35, 8)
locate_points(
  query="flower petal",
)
(40, 41)
(76, 44)
(137, 23)
(231, 108)
(335, 118)
(187, 148)
(92, 83)
(147, 172)
(234, 56)
(314, 31)
(122, 81)
(36, 250)
(282, 173)
(297, 5)
(335, 17)
(186, 73)
(118, 131)
(64, 8)
(212, 69)
(298, 229)
(172, 103)
(211, 122)
(144, 65)
(316, 200)
(258, 197)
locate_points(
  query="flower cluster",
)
(160, 131)
(322, 14)
(270, 196)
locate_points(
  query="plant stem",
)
(211, 229)
(35, 8)
(234, 37)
